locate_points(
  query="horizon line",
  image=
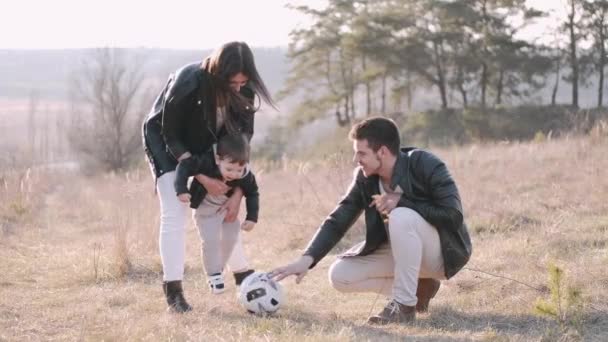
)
(130, 47)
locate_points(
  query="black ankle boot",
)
(175, 296)
(240, 276)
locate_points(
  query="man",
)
(415, 234)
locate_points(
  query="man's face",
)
(230, 170)
(366, 158)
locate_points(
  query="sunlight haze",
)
(180, 24)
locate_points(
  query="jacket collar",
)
(401, 168)
(208, 102)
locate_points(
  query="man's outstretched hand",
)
(299, 268)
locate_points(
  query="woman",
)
(200, 103)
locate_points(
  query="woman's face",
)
(237, 81)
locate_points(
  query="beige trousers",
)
(413, 252)
(218, 238)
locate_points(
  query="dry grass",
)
(80, 257)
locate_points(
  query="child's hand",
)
(247, 225)
(185, 197)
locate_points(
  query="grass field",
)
(80, 255)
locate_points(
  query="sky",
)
(180, 24)
(177, 24)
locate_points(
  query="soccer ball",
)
(261, 295)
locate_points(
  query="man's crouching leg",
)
(417, 253)
(370, 273)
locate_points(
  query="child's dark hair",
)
(234, 147)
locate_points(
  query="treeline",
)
(469, 52)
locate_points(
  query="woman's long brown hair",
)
(223, 64)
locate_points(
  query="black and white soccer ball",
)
(259, 294)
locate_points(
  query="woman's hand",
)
(184, 197)
(214, 186)
(232, 205)
(247, 225)
(186, 155)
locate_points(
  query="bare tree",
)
(106, 108)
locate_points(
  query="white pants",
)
(172, 238)
(413, 252)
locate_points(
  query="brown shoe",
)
(394, 312)
(427, 289)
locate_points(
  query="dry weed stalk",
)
(121, 257)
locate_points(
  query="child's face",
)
(230, 170)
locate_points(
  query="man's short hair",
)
(234, 147)
(378, 132)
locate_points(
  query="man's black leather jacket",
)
(428, 188)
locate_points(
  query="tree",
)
(596, 15)
(106, 110)
(461, 20)
(324, 62)
(493, 34)
(556, 55)
(469, 46)
(573, 29)
(378, 29)
(362, 38)
(412, 42)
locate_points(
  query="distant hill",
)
(47, 71)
